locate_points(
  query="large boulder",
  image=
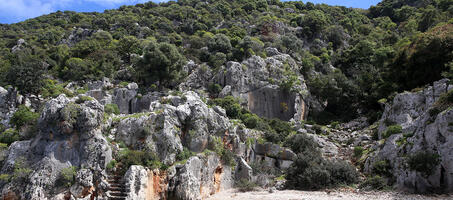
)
(123, 97)
(200, 177)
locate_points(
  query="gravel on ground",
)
(322, 195)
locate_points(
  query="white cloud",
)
(18, 10)
(24, 8)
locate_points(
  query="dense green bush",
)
(424, 162)
(24, 116)
(301, 143)
(26, 72)
(136, 157)
(358, 151)
(391, 130)
(382, 167)
(161, 62)
(82, 99)
(52, 89)
(67, 176)
(214, 89)
(311, 171)
(9, 136)
(374, 183)
(21, 171)
(185, 154)
(111, 109)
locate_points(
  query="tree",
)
(220, 43)
(128, 45)
(312, 23)
(161, 62)
(27, 72)
(291, 43)
(75, 69)
(4, 68)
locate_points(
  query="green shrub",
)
(216, 145)
(281, 128)
(250, 120)
(245, 185)
(123, 84)
(21, 172)
(24, 116)
(358, 152)
(424, 162)
(310, 171)
(374, 183)
(184, 155)
(111, 165)
(9, 136)
(230, 104)
(5, 177)
(111, 109)
(342, 172)
(52, 89)
(382, 168)
(444, 102)
(228, 157)
(335, 124)
(135, 157)
(82, 99)
(82, 90)
(301, 143)
(391, 130)
(70, 113)
(67, 176)
(2, 128)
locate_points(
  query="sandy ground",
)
(321, 195)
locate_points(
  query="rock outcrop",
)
(422, 131)
(69, 135)
(8, 104)
(270, 87)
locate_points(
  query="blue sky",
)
(12, 11)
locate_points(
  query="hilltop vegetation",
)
(394, 46)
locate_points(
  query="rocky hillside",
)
(183, 100)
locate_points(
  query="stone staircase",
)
(117, 189)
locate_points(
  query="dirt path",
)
(321, 195)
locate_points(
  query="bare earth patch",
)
(321, 195)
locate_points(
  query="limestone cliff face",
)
(422, 131)
(69, 134)
(76, 133)
(270, 87)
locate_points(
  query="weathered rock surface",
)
(68, 135)
(422, 132)
(263, 85)
(200, 177)
(8, 104)
(123, 98)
